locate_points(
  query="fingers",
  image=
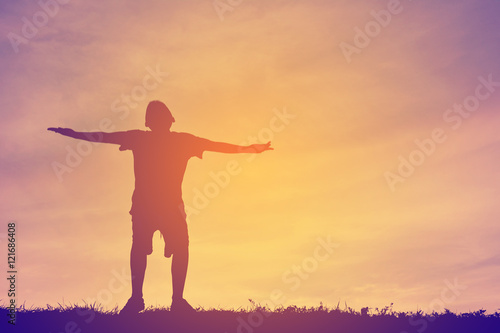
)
(55, 129)
(263, 147)
(59, 130)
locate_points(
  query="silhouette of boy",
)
(160, 160)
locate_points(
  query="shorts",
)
(172, 226)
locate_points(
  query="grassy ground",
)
(92, 318)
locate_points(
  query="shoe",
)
(133, 306)
(181, 306)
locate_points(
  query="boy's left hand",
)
(259, 148)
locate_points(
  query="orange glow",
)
(270, 71)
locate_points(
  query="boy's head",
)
(158, 116)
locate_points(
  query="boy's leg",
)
(179, 271)
(142, 235)
(138, 263)
(175, 233)
(142, 245)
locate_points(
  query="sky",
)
(382, 188)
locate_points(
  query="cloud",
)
(225, 78)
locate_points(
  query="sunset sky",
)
(384, 116)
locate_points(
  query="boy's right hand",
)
(63, 131)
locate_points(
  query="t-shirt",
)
(160, 160)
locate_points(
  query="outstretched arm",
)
(116, 137)
(222, 147)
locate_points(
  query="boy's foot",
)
(133, 306)
(181, 306)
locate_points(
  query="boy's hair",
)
(157, 111)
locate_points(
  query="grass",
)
(93, 318)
